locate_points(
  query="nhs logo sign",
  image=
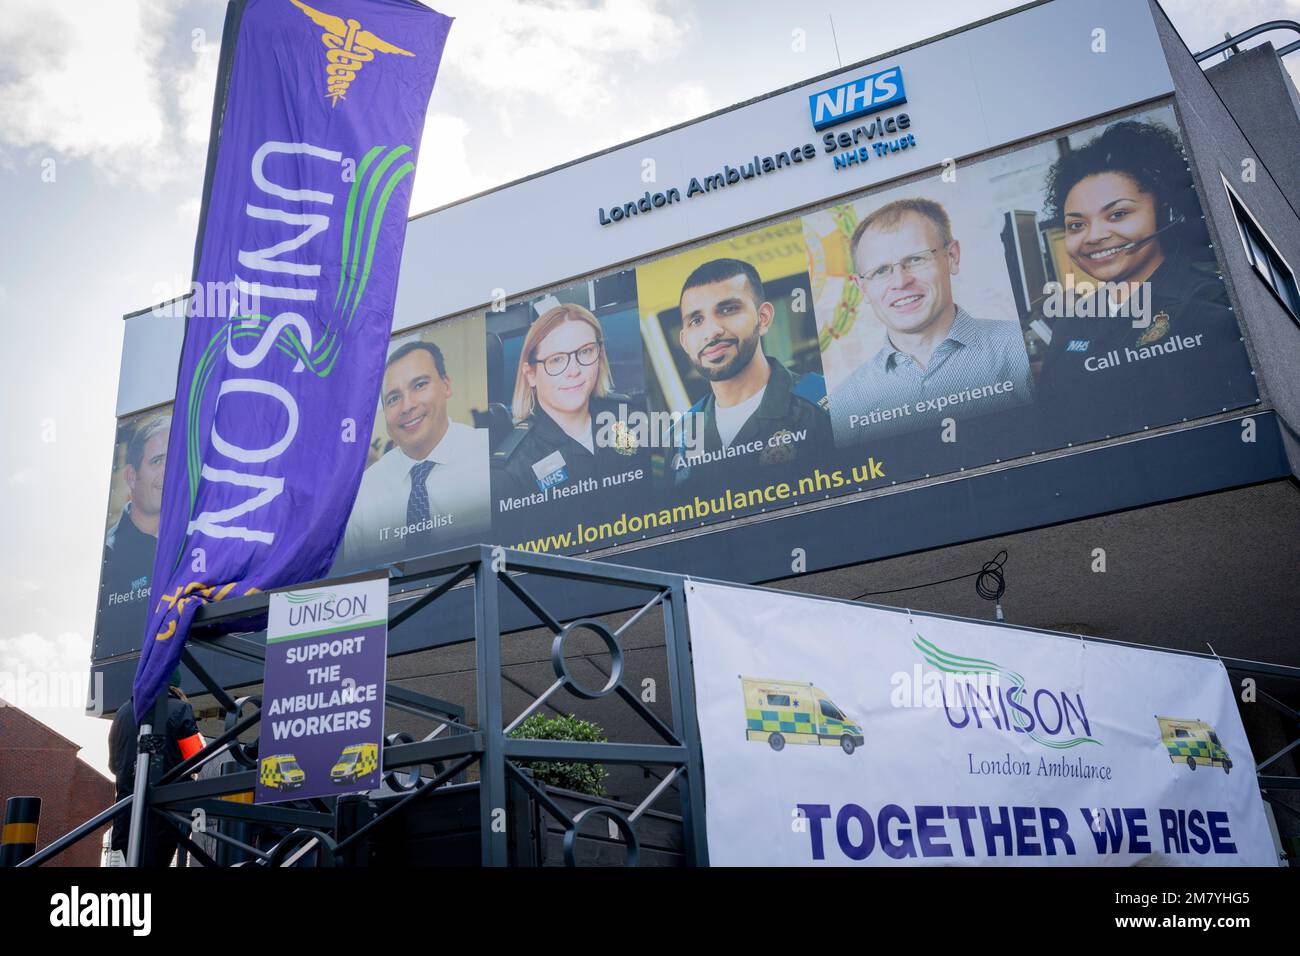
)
(868, 94)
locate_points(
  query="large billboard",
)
(1057, 294)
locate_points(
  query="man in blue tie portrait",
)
(430, 489)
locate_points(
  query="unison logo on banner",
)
(323, 607)
(985, 695)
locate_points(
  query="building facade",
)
(36, 761)
(857, 338)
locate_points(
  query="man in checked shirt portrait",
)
(935, 353)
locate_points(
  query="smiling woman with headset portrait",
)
(1138, 344)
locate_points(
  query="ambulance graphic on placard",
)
(1193, 742)
(783, 711)
(355, 762)
(281, 772)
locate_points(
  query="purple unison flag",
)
(309, 185)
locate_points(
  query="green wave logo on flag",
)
(362, 220)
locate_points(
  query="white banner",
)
(837, 734)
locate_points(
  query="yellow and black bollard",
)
(18, 839)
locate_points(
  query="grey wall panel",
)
(151, 352)
(1219, 142)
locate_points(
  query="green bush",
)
(582, 777)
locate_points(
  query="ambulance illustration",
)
(785, 711)
(355, 762)
(281, 772)
(1193, 742)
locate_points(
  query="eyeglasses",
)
(557, 362)
(909, 264)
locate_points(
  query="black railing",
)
(1231, 42)
(336, 832)
(317, 835)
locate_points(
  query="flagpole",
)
(137, 805)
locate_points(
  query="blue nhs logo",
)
(868, 94)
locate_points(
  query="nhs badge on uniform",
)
(867, 94)
(1077, 345)
(550, 471)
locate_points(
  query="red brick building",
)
(36, 761)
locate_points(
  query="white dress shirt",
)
(458, 488)
(731, 420)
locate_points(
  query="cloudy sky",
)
(104, 113)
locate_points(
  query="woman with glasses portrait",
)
(563, 447)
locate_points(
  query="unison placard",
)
(323, 691)
(840, 734)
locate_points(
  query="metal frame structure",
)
(454, 746)
(1272, 785)
(225, 628)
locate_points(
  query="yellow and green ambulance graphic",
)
(785, 711)
(355, 762)
(281, 772)
(1193, 742)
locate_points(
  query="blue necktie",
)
(417, 505)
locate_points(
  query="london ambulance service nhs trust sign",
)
(866, 94)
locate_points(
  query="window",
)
(778, 700)
(1264, 257)
(830, 711)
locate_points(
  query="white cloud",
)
(188, 211)
(195, 86)
(683, 102)
(121, 84)
(48, 679)
(88, 80)
(37, 653)
(444, 173)
(570, 54)
(85, 83)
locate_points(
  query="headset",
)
(1175, 218)
(1169, 212)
